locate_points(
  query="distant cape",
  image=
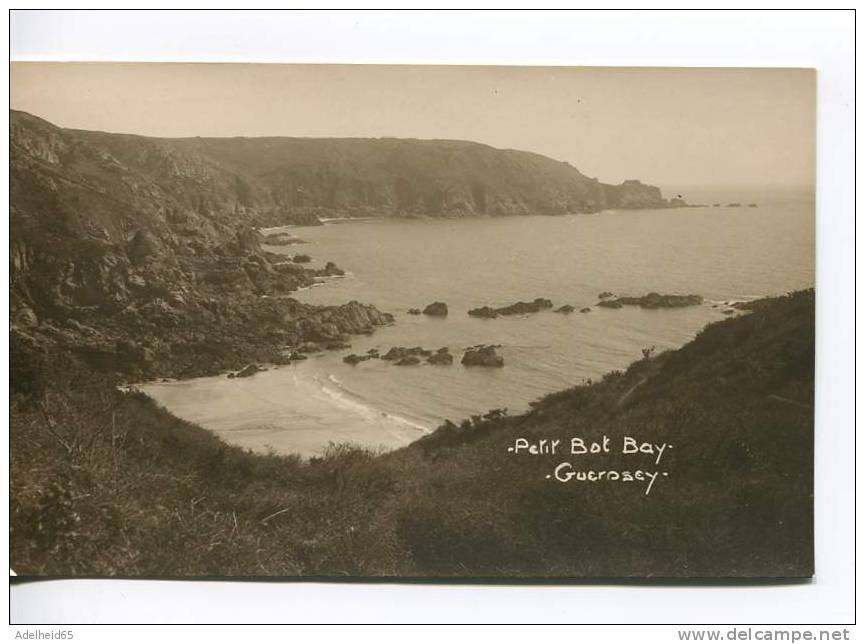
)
(280, 180)
(141, 227)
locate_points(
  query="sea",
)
(725, 254)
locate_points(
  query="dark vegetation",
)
(107, 483)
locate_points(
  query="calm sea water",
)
(721, 253)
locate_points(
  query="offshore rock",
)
(654, 301)
(441, 357)
(401, 353)
(518, 308)
(482, 356)
(436, 309)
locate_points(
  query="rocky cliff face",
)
(634, 194)
(150, 268)
(293, 180)
(128, 239)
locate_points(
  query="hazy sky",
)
(670, 127)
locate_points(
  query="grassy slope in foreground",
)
(109, 484)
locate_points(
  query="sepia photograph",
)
(411, 322)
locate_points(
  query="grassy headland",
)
(106, 483)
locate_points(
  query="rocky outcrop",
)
(404, 356)
(354, 359)
(330, 270)
(486, 312)
(246, 372)
(610, 304)
(566, 308)
(436, 309)
(634, 194)
(334, 323)
(281, 239)
(653, 301)
(441, 357)
(407, 361)
(398, 354)
(482, 356)
(518, 308)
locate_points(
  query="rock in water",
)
(538, 304)
(518, 308)
(654, 301)
(436, 309)
(331, 270)
(441, 357)
(482, 356)
(484, 312)
(586, 309)
(610, 304)
(408, 361)
(400, 353)
(354, 359)
(567, 308)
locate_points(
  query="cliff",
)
(290, 180)
(146, 266)
(143, 239)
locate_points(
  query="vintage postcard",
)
(358, 321)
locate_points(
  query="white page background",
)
(823, 40)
